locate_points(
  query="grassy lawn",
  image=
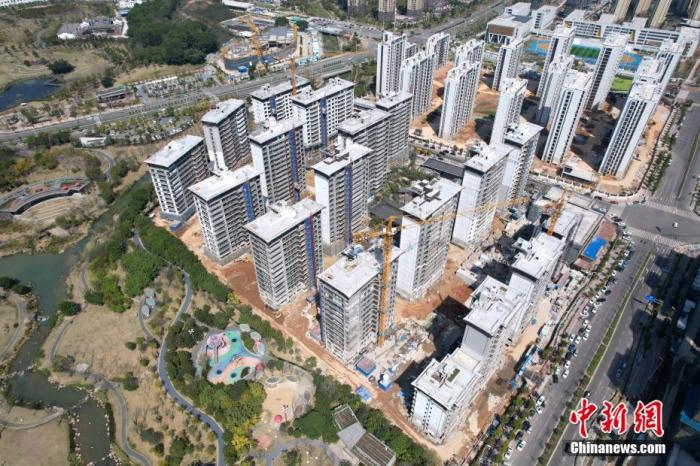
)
(621, 84)
(584, 52)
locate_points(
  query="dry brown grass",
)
(45, 445)
(8, 318)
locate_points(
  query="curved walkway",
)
(163, 373)
(39, 422)
(21, 308)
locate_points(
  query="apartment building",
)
(349, 295)
(415, 8)
(522, 136)
(225, 202)
(472, 51)
(559, 46)
(459, 97)
(508, 62)
(481, 181)
(173, 169)
(510, 104)
(550, 85)
(322, 111)
(606, 68)
(669, 55)
(566, 117)
(386, 10)
(417, 79)
(400, 107)
(442, 394)
(427, 226)
(370, 128)
(438, 46)
(639, 108)
(493, 308)
(225, 130)
(278, 152)
(660, 13)
(537, 261)
(286, 249)
(544, 16)
(390, 54)
(270, 101)
(342, 181)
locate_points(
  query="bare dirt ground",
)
(45, 445)
(449, 286)
(308, 455)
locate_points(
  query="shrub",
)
(68, 308)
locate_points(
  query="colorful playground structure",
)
(227, 358)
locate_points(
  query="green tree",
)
(60, 66)
(68, 308)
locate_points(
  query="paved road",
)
(39, 422)
(168, 385)
(325, 67)
(21, 305)
(557, 395)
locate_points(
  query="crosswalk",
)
(654, 238)
(666, 206)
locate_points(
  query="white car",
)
(578, 340)
(572, 337)
(586, 323)
(557, 371)
(509, 453)
(566, 373)
(539, 409)
(567, 364)
(540, 401)
(584, 313)
(586, 335)
(593, 311)
(521, 445)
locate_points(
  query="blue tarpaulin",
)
(593, 249)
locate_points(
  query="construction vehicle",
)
(387, 239)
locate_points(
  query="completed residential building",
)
(570, 106)
(342, 182)
(508, 63)
(459, 97)
(639, 107)
(390, 55)
(278, 152)
(606, 68)
(286, 247)
(275, 101)
(472, 51)
(426, 230)
(523, 137)
(349, 294)
(225, 202)
(322, 111)
(386, 10)
(669, 55)
(400, 107)
(438, 45)
(226, 134)
(550, 87)
(510, 104)
(559, 46)
(481, 180)
(370, 128)
(173, 169)
(417, 79)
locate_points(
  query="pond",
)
(27, 91)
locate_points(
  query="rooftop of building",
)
(282, 217)
(491, 306)
(308, 96)
(447, 381)
(431, 195)
(222, 182)
(362, 120)
(508, 20)
(355, 269)
(393, 99)
(272, 128)
(444, 167)
(222, 111)
(576, 80)
(339, 157)
(266, 91)
(513, 85)
(645, 90)
(577, 15)
(174, 151)
(568, 220)
(522, 132)
(368, 448)
(616, 40)
(537, 256)
(484, 157)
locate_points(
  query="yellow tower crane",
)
(292, 59)
(558, 207)
(387, 236)
(255, 39)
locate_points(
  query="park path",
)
(21, 305)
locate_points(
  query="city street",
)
(557, 395)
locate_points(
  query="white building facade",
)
(459, 98)
(226, 134)
(510, 104)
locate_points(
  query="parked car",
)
(521, 445)
(565, 374)
(509, 453)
